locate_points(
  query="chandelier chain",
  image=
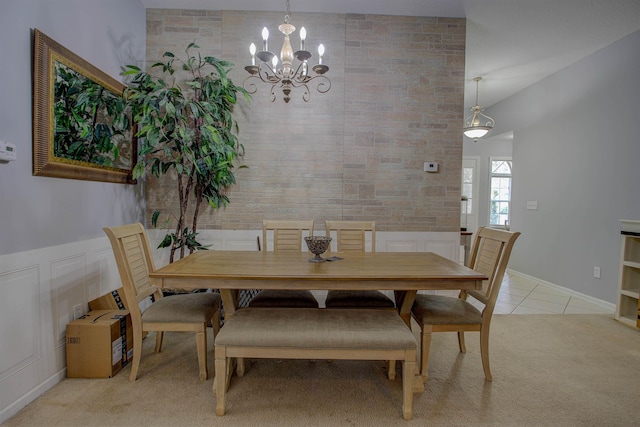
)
(288, 15)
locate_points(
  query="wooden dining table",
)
(404, 273)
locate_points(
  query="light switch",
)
(532, 205)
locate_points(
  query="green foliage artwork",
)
(90, 121)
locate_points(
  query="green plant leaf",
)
(154, 218)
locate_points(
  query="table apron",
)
(317, 284)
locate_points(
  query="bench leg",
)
(240, 368)
(391, 370)
(201, 344)
(408, 373)
(220, 380)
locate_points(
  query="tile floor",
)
(520, 295)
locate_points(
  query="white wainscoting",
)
(40, 289)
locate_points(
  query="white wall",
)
(53, 253)
(37, 211)
(576, 152)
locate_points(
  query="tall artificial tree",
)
(185, 125)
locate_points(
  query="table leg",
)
(404, 301)
(229, 301)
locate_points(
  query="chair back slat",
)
(490, 256)
(134, 253)
(287, 240)
(351, 235)
(135, 262)
(287, 235)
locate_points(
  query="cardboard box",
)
(114, 300)
(99, 344)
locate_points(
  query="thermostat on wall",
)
(430, 167)
(7, 151)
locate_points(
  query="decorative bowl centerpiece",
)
(317, 245)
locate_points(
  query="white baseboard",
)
(32, 395)
(602, 303)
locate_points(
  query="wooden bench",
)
(301, 333)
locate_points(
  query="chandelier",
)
(479, 124)
(283, 72)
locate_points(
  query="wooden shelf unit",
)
(628, 307)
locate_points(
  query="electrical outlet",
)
(596, 272)
(78, 311)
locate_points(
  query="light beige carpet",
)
(549, 370)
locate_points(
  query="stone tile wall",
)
(356, 152)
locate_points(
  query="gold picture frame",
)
(51, 63)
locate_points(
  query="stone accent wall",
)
(354, 153)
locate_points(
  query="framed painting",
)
(81, 126)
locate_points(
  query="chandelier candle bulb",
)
(303, 36)
(252, 51)
(320, 53)
(265, 37)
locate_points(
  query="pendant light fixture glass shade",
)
(478, 124)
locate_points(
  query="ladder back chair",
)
(351, 237)
(438, 313)
(177, 313)
(287, 237)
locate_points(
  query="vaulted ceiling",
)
(510, 43)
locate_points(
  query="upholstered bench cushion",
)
(357, 299)
(284, 298)
(443, 310)
(316, 328)
(183, 308)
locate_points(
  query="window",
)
(500, 194)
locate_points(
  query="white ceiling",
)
(510, 43)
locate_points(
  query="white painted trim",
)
(474, 217)
(54, 288)
(31, 395)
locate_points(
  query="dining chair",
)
(190, 312)
(287, 237)
(351, 237)
(438, 313)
